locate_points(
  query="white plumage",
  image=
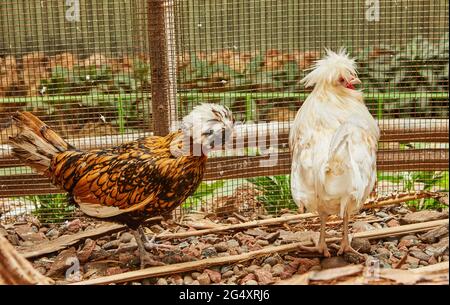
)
(333, 144)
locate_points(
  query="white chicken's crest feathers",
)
(329, 69)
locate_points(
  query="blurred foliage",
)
(419, 66)
(51, 208)
(276, 192)
(435, 181)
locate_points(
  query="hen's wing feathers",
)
(114, 181)
(351, 162)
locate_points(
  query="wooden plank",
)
(217, 261)
(245, 167)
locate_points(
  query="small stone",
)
(223, 254)
(412, 238)
(204, 279)
(126, 237)
(420, 255)
(251, 282)
(362, 245)
(277, 269)
(267, 267)
(393, 223)
(412, 260)
(221, 247)
(227, 274)
(382, 214)
(423, 263)
(362, 226)
(215, 276)
(74, 226)
(248, 277)
(233, 243)
(209, 252)
(52, 234)
(129, 247)
(271, 237)
(183, 245)
(333, 262)
(305, 264)
(161, 281)
(195, 275)
(376, 225)
(262, 242)
(390, 246)
(177, 280)
(86, 251)
(252, 268)
(114, 244)
(272, 261)
(432, 260)
(195, 282)
(114, 270)
(187, 280)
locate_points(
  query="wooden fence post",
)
(162, 54)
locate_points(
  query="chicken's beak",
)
(355, 81)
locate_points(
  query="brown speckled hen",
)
(133, 181)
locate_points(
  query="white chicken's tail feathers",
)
(36, 143)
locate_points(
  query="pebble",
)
(267, 267)
(420, 255)
(195, 275)
(362, 226)
(52, 233)
(383, 253)
(272, 261)
(223, 254)
(214, 276)
(232, 243)
(361, 245)
(262, 242)
(333, 262)
(221, 247)
(177, 280)
(251, 282)
(393, 223)
(252, 268)
(204, 279)
(195, 282)
(114, 244)
(187, 280)
(209, 252)
(382, 214)
(277, 269)
(126, 237)
(228, 274)
(376, 225)
(161, 281)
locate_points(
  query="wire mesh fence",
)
(84, 68)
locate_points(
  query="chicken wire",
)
(83, 67)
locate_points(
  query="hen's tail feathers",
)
(36, 143)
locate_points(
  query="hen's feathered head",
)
(208, 126)
(335, 69)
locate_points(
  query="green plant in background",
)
(51, 208)
(276, 192)
(436, 181)
(205, 192)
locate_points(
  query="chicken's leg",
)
(144, 256)
(321, 247)
(345, 243)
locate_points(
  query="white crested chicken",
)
(131, 182)
(333, 143)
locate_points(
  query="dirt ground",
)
(116, 253)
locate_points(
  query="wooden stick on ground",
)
(16, 270)
(65, 241)
(205, 263)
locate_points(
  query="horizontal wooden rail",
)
(245, 167)
(263, 134)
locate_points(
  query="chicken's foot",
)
(320, 247)
(145, 257)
